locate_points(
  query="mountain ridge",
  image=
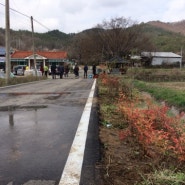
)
(177, 27)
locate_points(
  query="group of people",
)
(62, 70)
(76, 70)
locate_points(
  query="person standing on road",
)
(94, 70)
(61, 70)
(85, 70)
(53, 71)
(66, 71)
(76, 71)
(42, 69)
(46, 70)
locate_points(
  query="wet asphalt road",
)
(38, 122)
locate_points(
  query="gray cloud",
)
(74, 16)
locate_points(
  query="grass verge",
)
(19, 80)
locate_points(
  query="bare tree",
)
(85, 47)
(120, 36)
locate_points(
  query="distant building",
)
(42, 58)
(161, 58)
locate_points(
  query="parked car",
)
(19, 69)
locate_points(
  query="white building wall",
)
(159, 61)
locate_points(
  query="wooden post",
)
(35, 67)
(7, 41)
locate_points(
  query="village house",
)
(42, 58)
(161, 58)
(26, 58)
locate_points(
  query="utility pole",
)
(35, 67)
(7, 41)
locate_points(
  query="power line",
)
(27, 17)
(41, 24)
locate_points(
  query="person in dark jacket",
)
(53, 71)
(94, 70)
(76, 71)
(66, 70)
(61, 71)
(85, 70)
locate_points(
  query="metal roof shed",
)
(159, 58)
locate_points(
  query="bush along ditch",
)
(151, 143)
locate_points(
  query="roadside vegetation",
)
(143, 141)
(19, 80)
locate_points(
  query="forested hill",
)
(22, 39)
(163, 38)
(177, 27)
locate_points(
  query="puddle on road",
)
(22, 111)
(16, 107)
(34, 93)
(32, 136)
(51, 95)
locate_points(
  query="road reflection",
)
(11, 115)
(11, 110)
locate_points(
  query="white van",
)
(19, 69)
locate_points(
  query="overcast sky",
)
(73, 16)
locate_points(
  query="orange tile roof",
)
(46, 54)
